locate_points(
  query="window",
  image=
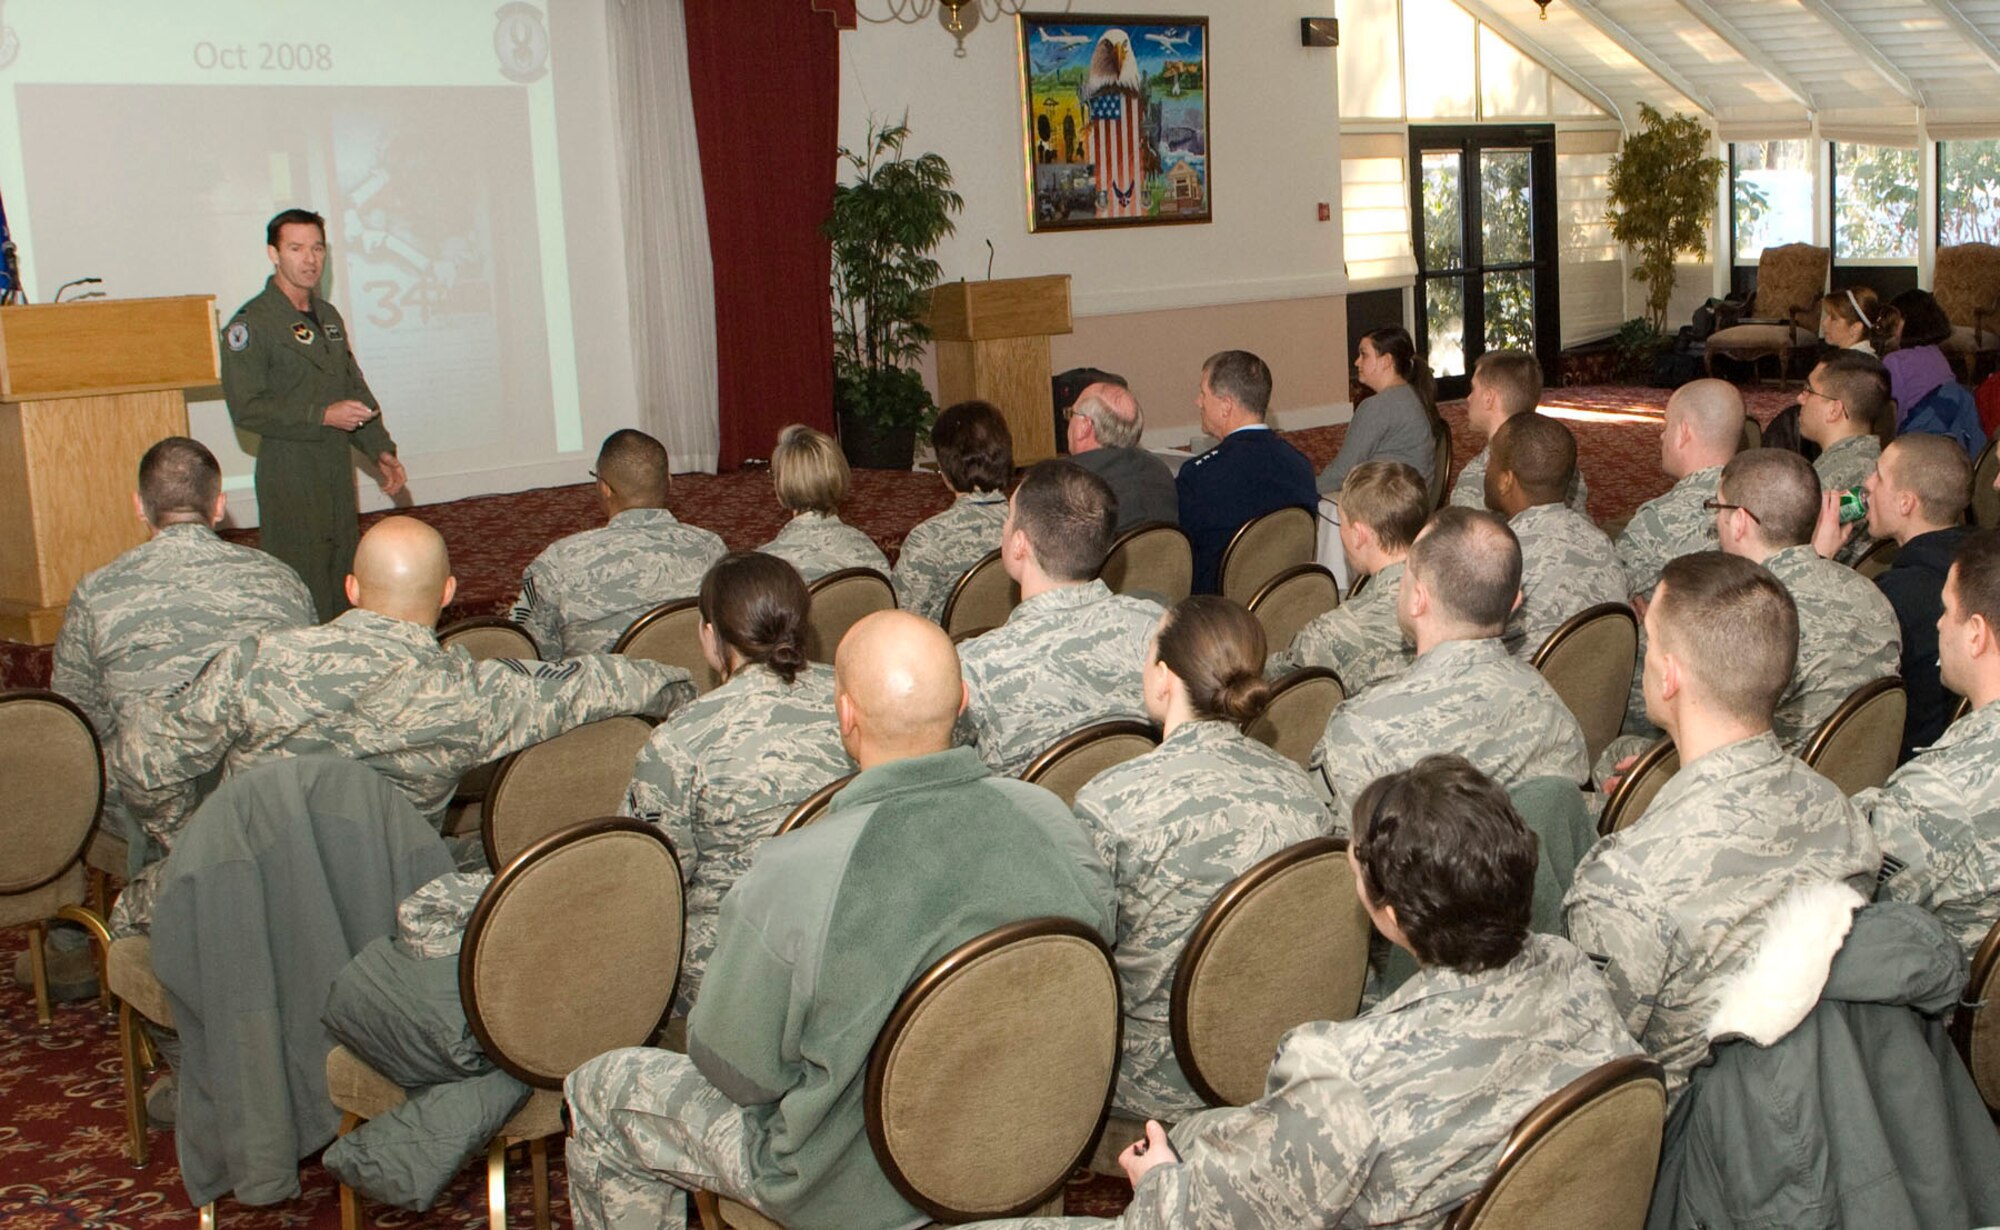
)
(1375, 208)
(1771, 195)
(1968, 192)
(1874, 203)
(1438, 56)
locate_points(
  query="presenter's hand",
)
(394, 476)
(346, 415)
(1145, 1154)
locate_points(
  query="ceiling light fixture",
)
(959, 17)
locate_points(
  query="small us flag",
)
(1107, 106)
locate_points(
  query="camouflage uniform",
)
(1938, 819)
(1393, 1118)
(1467, 697)
(1842, 466)
(1848, 636)
(816, 544)
(1470, 489)
(937, 552)
(152, 618)
(583, 591)
(1667, 527)
(1677, 902)
(1067, 658)
(1359, 640)
(721, 774)
(431, 922)
(373, 689)
(1567, 566)
(1174, 826)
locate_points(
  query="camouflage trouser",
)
(645, 1129)
(132, 912)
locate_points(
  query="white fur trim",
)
(1768, 997)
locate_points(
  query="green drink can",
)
(1853, 505)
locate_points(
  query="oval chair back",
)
(1265, 546)
(1976, 1025)
(980, 599)
(559, 783)
(1154, 560)
(1295, 717)
(1282, 944)
(1291, 600)
(839, 601)
(812, 807)
(1587, 1156)
(1985, 507)
(54, 770)
(1082, 754)
(1018, 1027)
(574, 949)
(1636, 789)
(486, 637)
(1440, 466)
(1856, 747)
(1589, 661)
(670, 633)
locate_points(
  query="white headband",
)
(1856, 305)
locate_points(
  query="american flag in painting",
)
(1115, 148)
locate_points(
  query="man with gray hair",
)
(1104, 429)
(1252, 472)
(1465, 693)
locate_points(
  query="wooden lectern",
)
(85, 389)
(993, 344)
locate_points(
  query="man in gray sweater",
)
(1104, 429)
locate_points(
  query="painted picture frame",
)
(1115, 112)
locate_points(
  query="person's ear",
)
(450, 592)
(843, 713)
(964, 696)
(1517, 602)
(139, 510)
(1670, 676)
(352, 588)
(1978, 636)
(220, 510)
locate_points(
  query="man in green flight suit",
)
(290, 377)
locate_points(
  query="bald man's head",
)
(1712, 412)
(1113, 412)
(897, 688)
(401, 570)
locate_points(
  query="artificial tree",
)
(885, 224)
(1662, 195)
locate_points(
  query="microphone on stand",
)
(989, 260)
(76, 282)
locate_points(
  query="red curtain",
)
(766, 78)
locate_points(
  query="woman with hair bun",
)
(1181, 821)
(721, 773)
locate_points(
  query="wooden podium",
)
(85, 389)
(993, 343)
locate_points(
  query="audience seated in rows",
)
(1917, 496)
(1178, 823)
(1383, 507)
(1398, 1116)
(1938, 817)
(811, 477)
(1400, 421)
(815, 945)
(1070, 654)
(975, 457)
(1252, 471)
(1464, 692)
(1674, 905)
(374, 686)
(1103, 432)
(1567, 564)
(584, 590)
(1505, 384)
(721, 773)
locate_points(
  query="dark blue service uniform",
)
(1252, 472)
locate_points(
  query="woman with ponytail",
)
(1400, 422)
(1181, 821)
(721, 773)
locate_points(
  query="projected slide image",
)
(430, 199)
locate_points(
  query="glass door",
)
(1484, 215)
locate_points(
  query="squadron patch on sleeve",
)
(239, 335)
(303, 332)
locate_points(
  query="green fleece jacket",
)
(816, 943)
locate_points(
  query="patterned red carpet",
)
(61, 1123)
(493, 538)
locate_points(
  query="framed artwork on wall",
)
(1116, 112)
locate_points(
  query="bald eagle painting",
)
(1139, 90)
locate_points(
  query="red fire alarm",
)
(1325, 212)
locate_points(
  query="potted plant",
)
(885, 224)
(1662, 193)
